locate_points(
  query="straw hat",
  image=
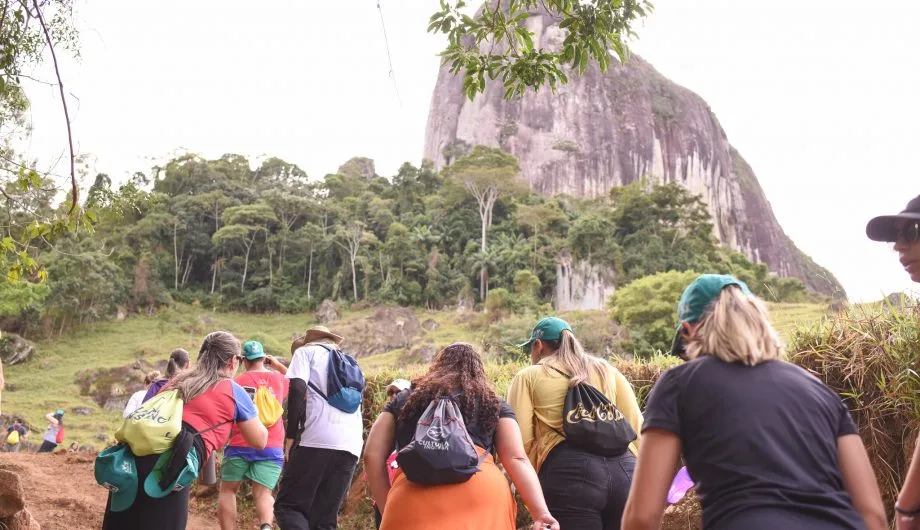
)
(316, 334)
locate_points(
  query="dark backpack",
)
(344, 383)
(441, 452)
(592, 423)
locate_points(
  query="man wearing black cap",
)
(903, 230)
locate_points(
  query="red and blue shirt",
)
(224, 403)
(274, 449)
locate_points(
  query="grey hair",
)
(216, 353)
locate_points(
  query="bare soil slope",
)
(62, 494)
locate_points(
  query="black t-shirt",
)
(760, 442)
(481, 436)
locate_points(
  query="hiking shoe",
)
(266, 526)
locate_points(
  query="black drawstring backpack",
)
(441, 452)
(592, 423)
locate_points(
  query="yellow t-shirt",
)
(537, 395)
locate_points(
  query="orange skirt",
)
(484, 502)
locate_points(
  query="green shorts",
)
(264, 472)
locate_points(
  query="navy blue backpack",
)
(345, 383)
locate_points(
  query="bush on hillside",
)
(648, 308)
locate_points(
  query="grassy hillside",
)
(51, 380)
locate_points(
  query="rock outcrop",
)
(603, 130)
(581, 285)
(15, 349)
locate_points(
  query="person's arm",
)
(521, 402)
(377, 449)
(296, 413)
(514, 459)
(255, 434)
(658, 458)
(276, 365)
(50, 417)
(247, 418)
(625, 400)
(860, 482)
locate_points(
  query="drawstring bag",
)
(154, 426)
(441, 452)
(592, 423)
(267, 405)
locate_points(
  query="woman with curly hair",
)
(484, 501)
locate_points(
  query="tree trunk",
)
(188, 270)
(176, 255)
(310, 275)
(246, 264)
(354, 276)
(214, 269)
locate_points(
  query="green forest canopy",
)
(225, 235)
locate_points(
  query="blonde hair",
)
(736, 328)
(569, 354)
(216, 353)
(151, 376)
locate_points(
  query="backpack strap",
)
(317, 390)
(558, 370)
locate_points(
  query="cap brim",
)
(882, 228)
(124, 497)
(185, 477)
(526, 345)
(261, 355)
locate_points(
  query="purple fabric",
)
(679, 486)
(154, 388)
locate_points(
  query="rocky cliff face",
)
(608, 129)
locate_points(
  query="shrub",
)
(648, 307)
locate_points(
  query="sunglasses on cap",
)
(909, 233)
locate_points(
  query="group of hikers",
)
(17, 432)
(767, 444)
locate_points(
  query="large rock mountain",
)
(608, 129)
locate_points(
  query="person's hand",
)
(906, 522)
(545, 521)
(288, 443)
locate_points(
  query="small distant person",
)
(261, 466)
(15, 433)
(903, 230)
(768, 444)
(52, 436)
(393, 390)
(178, 363)
(137, 398)
(322, 443)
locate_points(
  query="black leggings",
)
(47, 447)
(147, 513)
(585, 491)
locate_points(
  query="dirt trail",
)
(62, 494)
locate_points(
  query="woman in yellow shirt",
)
(584, 491)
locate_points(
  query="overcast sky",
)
(820, 98)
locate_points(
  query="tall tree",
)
(350, 238)
(487, 174)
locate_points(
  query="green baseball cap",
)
(253, 350)
(550, 328)
(183, 480)
(116, 470)
(694, 301)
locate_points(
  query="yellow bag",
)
(13, 438)
(270, 410)
(153, 427)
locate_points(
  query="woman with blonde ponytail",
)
(768, 444)
(583, 490)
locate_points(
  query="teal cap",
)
(696, 298)
(550, 328)
(185, 478)
(253, 350)
(116, 470)
(59, 412)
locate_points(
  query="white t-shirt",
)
(134, 402)
(325, 426)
